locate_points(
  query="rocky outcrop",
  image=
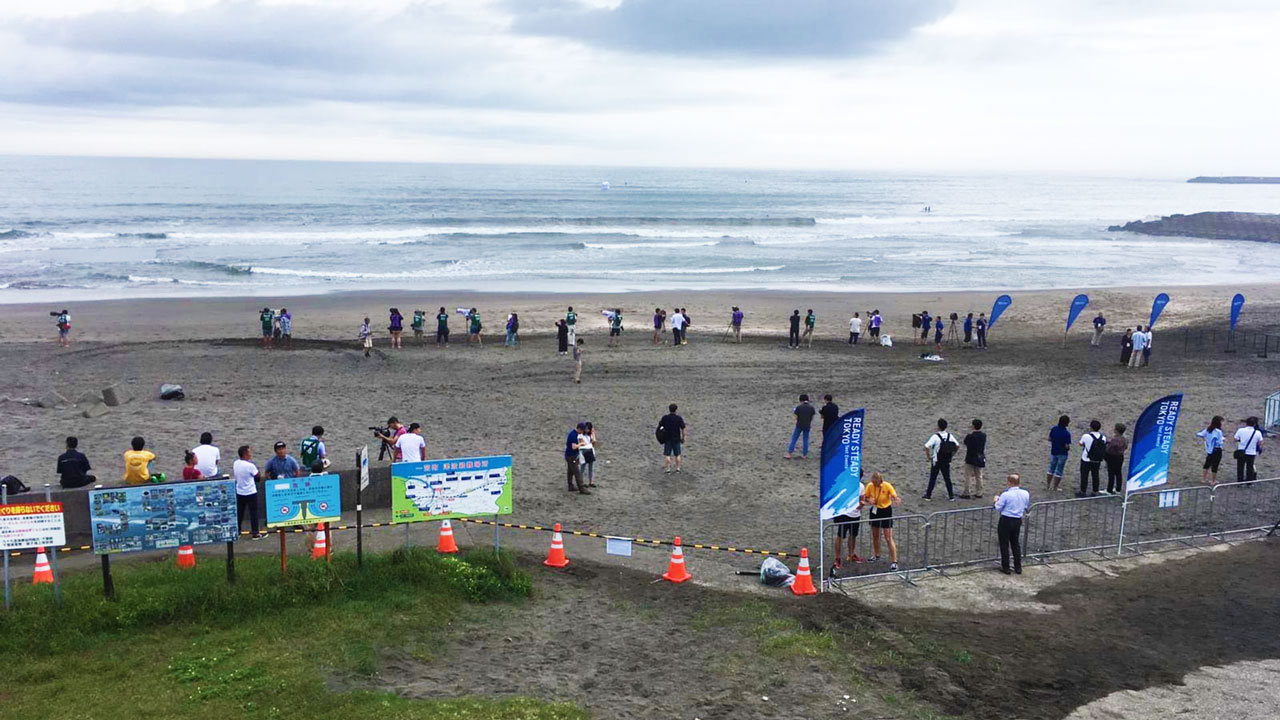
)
(1212, 225)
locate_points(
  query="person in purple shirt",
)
(1059, 449)
(736, 324)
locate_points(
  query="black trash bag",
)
(775, 573)
(171, 392)
(13, 485)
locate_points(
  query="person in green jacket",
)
(571, 319)
(442, 327)
(476, 327)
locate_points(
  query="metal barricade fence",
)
(961, 537)
(1054, 527)
(1245, 507)
(909, 535)
(1167, 515)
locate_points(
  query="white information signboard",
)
(30, 525)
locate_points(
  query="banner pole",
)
(497, 529)
(822, 565)
(53, 556)
(8, 600)
(284, 557)
(108, 583)
(1124, 511)
(359, 515)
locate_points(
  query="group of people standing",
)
(1135, 346)
(975, 329)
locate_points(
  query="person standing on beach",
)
(688, 323)
(1126, 347)
(63, 323)
(615, 327)
(1059, 449)
(137, 462)
(282, 464)
(577, 362)
(882, 496)
(1117, 444)
(677, 328)
(1248, 447)
(573, 469)
(938, 327)
(207, 455)
(587, 439)
(1146, 347)
(1139, 345)
(975, 460)
(366, 337)
(442, 327)
(735, 323)
(672, 432)
(411, 446)
(267, 317)
(847, 527)
(396, 429)
(476, 326)
(804, 413)
(968, 329)
(980, 327)
(793, 331)
(571, 322)
(876, 322)
(855, 329)
(513, 330)
(562, 337)
(1012, 504)
(1093, 451)
(246, 476)
(830, 413)
(419, 325)
(926, 326)
(1213, 441)
(396, 327)
(286, 327)
(810, 322)
(1099, 324)
(940, 450)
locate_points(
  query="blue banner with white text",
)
(1078, 304)
(841, 469)
(1237, 303)
(1153, 443)
(1002, 303)
(1157, 307)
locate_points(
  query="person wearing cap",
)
(393, 424)
(282, 465)
(411, 446)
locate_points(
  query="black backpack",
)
(13, 485)
(947, 448)
(661, 434)
(1098, 448)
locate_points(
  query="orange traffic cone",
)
(43, 573)
(186, 557)
(555, 557)
(676, 571)
(803, 584)
(446, 543)
(320, 548)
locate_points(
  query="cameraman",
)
(395, 429)
(64, 326)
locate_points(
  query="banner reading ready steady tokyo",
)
(305, 500)
(1152, 443)
(452, 488)
(841, 465)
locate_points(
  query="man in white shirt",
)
(677, 328)
(939, 451)
(1248, 446)
(1012, 504)
(1093, 451)
(1139, 344)
(855, 329)
(412, 446)
(246, 477)
(207, 456)
(847, 526)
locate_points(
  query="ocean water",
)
(82, 228)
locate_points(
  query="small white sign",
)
(617, 546)
(1170, 498)
(364, 467)
(29, 525)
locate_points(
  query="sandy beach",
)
(737, 399)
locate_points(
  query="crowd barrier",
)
(1105, 525)
(1229, 341)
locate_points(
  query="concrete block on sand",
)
(95, 410)
(52, 399)
(113, 396)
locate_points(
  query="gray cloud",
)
(728, 28)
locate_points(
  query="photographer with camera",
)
(63, 323)
(389, 435)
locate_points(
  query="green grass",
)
(183, 644)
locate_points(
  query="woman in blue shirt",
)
(1212, 434)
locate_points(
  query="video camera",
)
(384, 448)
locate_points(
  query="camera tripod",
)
(953, 337)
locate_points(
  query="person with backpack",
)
(1059, 450)
(442, 327)
(63, 322)
(615, 327)
(1213, 441)
(804, 413)
(940, 450)
(312, 449)
(571, 322)
(1094, 451)
(513, 330)
(268, 319)
(671, 433)
(876, 322)
(793, 332)
(1248, 448)
(1117, 444)
(475, 328)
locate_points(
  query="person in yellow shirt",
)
(881, 496)
(137, 463)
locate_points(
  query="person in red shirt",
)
(190, 472)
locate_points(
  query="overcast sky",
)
(1178, 87)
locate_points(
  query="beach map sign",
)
(156, 517)
(452, 488)
(31, 525)
(303, 500)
